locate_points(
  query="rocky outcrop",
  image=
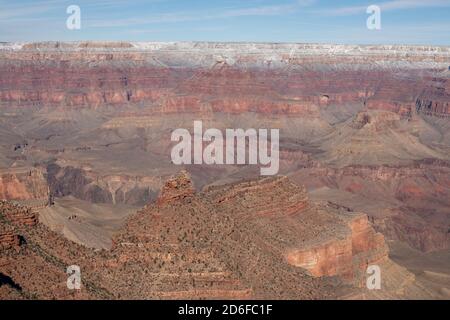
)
(23, 184)
(235, 241)
(322, 239)
(211, 236)
(9, 239)
(176, 188)
(347, 256)
(407, 191)
(17, 214)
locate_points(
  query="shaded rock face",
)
(74, 181)
(97, 188)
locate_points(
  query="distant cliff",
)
(225, 77)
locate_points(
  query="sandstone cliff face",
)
(407, 203)
(324, 240)
(23, 185)
(348, 257)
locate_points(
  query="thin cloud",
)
(388, 6)
(11, 11)
(14, 11)
(269, 10)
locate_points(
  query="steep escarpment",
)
(407, 203)
(348, 257)
(23, 184)
(34, 260)
(235, 78)
(97, 188)
(224, 242)
(435, 97)
(322, 239)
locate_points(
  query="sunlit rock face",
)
(198, 77)
(23, 185)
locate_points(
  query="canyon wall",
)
(347, 257)
(234, 78)
(408, 203)
(97, 188)
(23, 184)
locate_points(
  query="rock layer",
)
(176, 188)
(8, 238)
(224, 242)
(18, 214)
(18, 184)
(232, 78)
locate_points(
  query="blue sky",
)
(316, 21)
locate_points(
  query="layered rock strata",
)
(234, 78)
(236, 241)
(23, 184)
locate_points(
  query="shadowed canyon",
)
(86, 176)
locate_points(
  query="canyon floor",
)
(86, 175)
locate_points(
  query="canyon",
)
(364, 170)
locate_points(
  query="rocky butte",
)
(220, 243)
(85, 155)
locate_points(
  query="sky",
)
(418, 22)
